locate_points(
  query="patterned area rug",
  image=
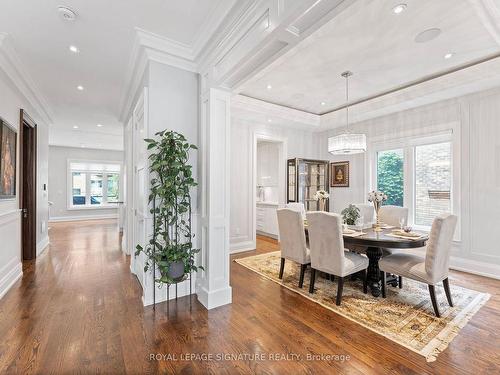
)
(405, 316)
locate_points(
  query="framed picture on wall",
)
(8, 152)
(339, 174)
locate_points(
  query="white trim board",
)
(42, 245)
(240, 247)
(12, 272)
(474, 267)
(81, 218)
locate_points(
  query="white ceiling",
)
(104, 33)
(379, 47)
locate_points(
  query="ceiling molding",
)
(488, 12)
(241, 102)
(12, 66)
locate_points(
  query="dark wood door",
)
(27, 189)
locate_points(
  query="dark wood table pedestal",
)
(374, 254)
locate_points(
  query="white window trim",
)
(104, 205)
(408, 141)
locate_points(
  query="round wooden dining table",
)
(375, 242)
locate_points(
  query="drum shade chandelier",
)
(347, 143)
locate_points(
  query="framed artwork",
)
(8, 152)
(339, 174)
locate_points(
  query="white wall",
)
(299, 144)
(474, 120)
(10, 220)
(58, 181)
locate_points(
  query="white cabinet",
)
(266, 220)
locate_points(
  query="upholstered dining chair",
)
(391, 215)
(328, 253)
(293, 241)
(367, 212)
(298, 207)
(431, 269)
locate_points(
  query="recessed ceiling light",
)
(400, 8)
(269, 120)
(75, 126)
(99, 125)
(427, 35)
(448, 55)
(74, 49)
(323, 103)
(79, 88)
(269, 87)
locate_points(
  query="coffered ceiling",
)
(379, 46)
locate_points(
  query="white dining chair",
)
(392, 215)
(297, 207)
(293, 241)
(328, 253)
(431, 269)
(367, 212)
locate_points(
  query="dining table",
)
(372, 243)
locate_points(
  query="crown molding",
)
(12, 66)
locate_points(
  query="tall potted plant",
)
(170, 250)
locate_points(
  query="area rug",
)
(405, 316)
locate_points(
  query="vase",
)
(322, 204)
(377, 227)
(176, 270)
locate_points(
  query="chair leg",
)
(340, 288)
(313, 279)
(282, 267)
(384, 284)
(365, 281)
(302, 271)
(446, 285)
(400, 282)
(432, 291)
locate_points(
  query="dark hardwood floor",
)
(78, 309)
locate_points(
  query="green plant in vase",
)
(350, 214)
(170, 249)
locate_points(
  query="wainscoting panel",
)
(10, 249)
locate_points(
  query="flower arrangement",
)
(351, 214)
(377, 198)
(321, 196)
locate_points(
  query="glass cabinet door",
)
(291, 181)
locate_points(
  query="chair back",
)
(367, 212)
(437, 256)
(326, 242)
(297, 207)
(390, 215)
(292, 235)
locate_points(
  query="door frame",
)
(27, 184)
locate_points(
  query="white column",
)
(213, 287)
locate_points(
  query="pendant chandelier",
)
(347, 143)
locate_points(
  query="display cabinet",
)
(304, 178)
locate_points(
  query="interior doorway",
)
(27, 173)
(269, 168)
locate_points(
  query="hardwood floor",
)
(78, 309)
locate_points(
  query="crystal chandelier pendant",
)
(347, 143)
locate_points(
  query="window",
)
(93, 184)
(390, 175)
(416, 173)
(432, 182)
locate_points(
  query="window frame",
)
(408, 144)
(88, 206)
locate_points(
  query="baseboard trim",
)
(214, 298)
(42, 245)
(81, 218)
(14, 272)
(475, 267)
(240, 247)
(265, 234)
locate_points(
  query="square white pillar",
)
(213, 287)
